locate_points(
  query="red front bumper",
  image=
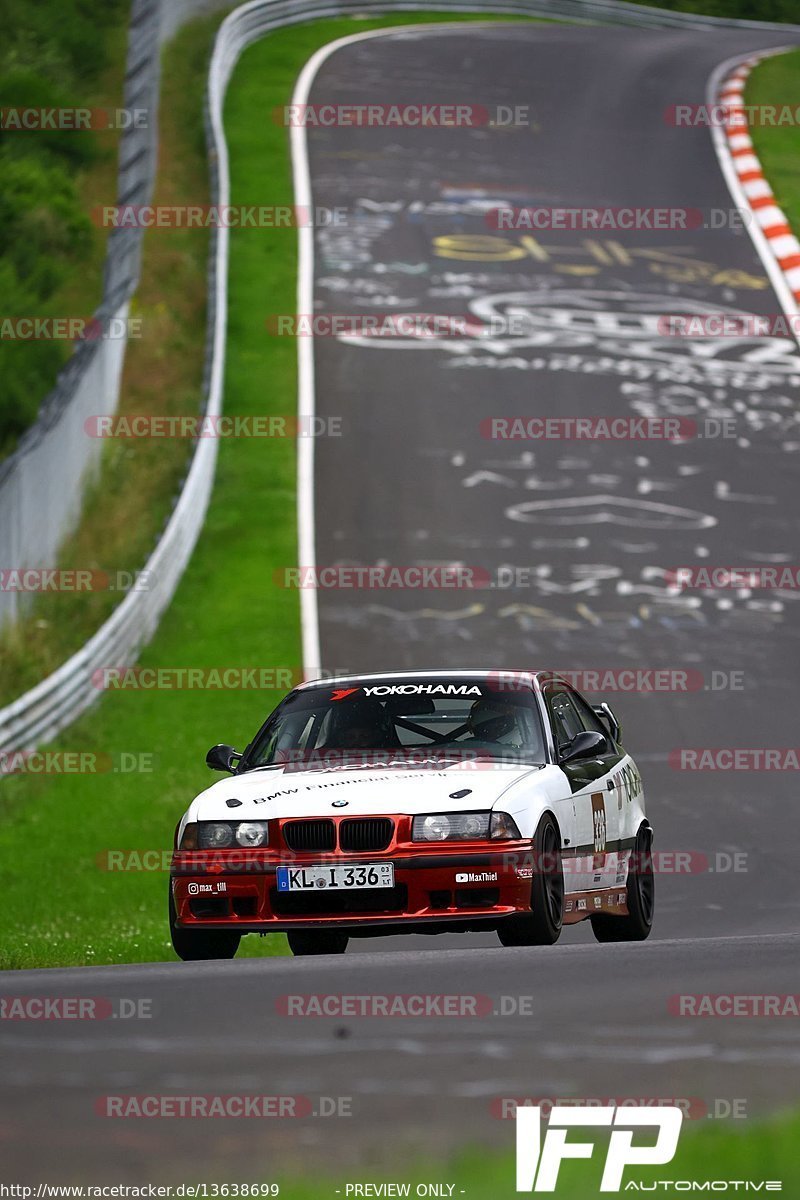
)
(441, 883)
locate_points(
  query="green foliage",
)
(64, 41)
(52, 54)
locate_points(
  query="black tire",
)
(641, 898)
(317, 941)
(197, 945)
(542, 925)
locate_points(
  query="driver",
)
(361, 724)
(491, 720)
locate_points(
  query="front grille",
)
(366, 833)
(339, 903)
(310, 835)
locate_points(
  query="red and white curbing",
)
(757, 192)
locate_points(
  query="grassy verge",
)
(776, 81)
(60, 907)
(780, 11)
(744, 1150)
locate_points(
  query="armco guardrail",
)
(48, 708)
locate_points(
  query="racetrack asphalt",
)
(413, 481)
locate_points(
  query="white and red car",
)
(425, 802)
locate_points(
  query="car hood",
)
(366, 790)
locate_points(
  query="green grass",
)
(779, 11)
(732, 1150)
(60, 908)
(776, 81)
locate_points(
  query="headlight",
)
(220, 835)
(450, 827)
(456, 827)
(252, 833)
(214, 835)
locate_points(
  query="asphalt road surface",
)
(582, 1021)
(413, 481)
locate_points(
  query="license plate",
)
(317, 879)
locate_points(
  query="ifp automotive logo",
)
(538, 1163)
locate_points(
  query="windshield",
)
(407, 720)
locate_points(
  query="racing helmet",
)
(361, 722)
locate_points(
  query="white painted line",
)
(306, 395)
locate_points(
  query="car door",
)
(593, 861)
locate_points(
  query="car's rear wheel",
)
(196, 945)
(542, 925)
(641, 898)
(317, 941)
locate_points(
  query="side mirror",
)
(221, 758)
(606, 715)
(586, 744)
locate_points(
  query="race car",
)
(418, 802)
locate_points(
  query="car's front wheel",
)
(542, 925)
(197, 945)
(317, 941)
(641, 898)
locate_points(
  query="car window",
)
(460, 716)
(588, 717)
(564, 715)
